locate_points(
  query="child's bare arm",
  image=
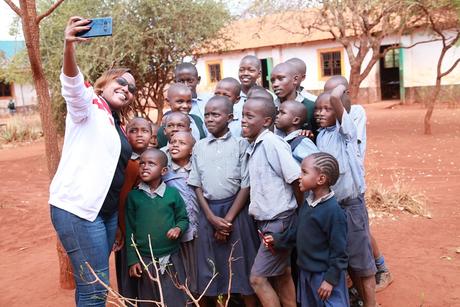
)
(336, 101)
(217, 222)
(239, 203)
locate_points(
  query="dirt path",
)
(420, 252)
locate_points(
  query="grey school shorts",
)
(266, 263)
(360, 257)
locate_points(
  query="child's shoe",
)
(382, 279)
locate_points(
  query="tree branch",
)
(49, 11)
(14, 7)
(418, 43)
(451, 68)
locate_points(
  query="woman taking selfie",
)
(84, 192)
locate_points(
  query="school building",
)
(404, 74)
(24, 95)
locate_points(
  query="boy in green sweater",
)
(156, 217)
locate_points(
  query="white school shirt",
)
(340, 141)
(271, 171)
(358, 115)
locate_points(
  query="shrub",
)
(21, 128)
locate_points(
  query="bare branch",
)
(418, 43)
(230, 273)
(49, 11)
(14, 7)
(451, 68)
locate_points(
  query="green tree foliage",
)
(149, 36)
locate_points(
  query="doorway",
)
(390, 75)
(267, 66)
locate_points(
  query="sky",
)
(8, 15)
(5, 21)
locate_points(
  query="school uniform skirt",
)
(149, 290)
(213, 255)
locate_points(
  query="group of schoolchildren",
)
(220, 195)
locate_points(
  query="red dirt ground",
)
(423, 254)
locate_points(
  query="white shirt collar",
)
(313, 204)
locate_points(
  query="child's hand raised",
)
(173, 233)
(135, 270)
(339, 90)
(325, 290)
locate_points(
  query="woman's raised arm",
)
(74, 25)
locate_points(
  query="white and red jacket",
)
(90, 153)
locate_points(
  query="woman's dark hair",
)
(108, 76)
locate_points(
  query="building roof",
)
(292, 27)
(10, 48)
(272, 30)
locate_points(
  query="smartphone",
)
(99, 27)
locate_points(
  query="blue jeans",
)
(89, 242)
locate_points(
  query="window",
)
(5, 89)
(391, 59)
(214, 72)
(331, 63)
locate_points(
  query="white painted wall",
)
(419, 62)
(23, 95)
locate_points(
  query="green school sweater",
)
(154, 216)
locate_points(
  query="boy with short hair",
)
(337, 136)
(180, 149)
(248, 72)
(220, 177)
(139, 133)
(179, 98)
(290, 119)
(301, 69)
(186, 73)
(284, 82)
(156, 217)
(173, 123)
(231, 88)
(275, 194)
(154, 138)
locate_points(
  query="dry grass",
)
(398, 197)
(20, 128)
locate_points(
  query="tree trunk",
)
(31, 31)
(429, 110)
(31, 36)
(353, 84)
